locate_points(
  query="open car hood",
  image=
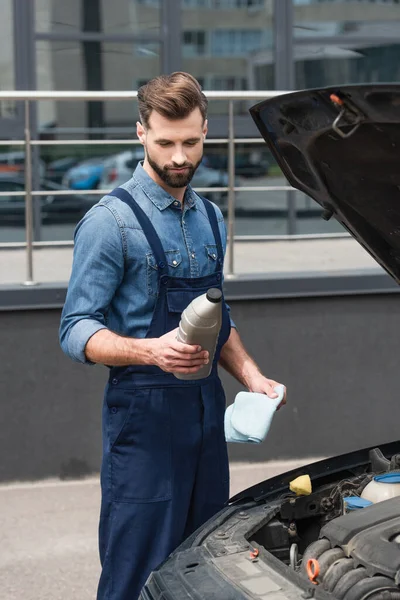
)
(341, 146)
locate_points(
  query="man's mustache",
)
(185, 166)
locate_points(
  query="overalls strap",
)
(215, 229)
(147, 227)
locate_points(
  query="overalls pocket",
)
(175, 268)
(140, 444)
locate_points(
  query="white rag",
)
(249, 418)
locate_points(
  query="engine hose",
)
(366, 587)
(336, 572)
(314, 550)
(326, 560)
(347, 582)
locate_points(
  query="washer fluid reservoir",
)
(382, 487)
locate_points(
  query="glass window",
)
(7, 81)
(125, 16)
(194, 43)
(97, 66)
(131, 16)
(58, 17)
(238, 3)
(229, 50)
(147, 50)
(346, 42)
(224, 4)
(228, 83)
(114, 66)
(6, 47)
(354, 2)
(195, 3)
(236, 42)
(321, 65)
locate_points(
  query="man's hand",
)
(262, 385)
(236, 360)
(175, 357)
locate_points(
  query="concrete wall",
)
(337, 355)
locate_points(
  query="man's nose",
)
(179, 157)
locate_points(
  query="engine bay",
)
(343, 537)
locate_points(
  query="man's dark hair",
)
(173, 96)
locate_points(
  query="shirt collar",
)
(159, 197)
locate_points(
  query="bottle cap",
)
(393, 477)
(354, 502)
(214, 295)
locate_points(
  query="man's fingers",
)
(181, 362)
(180, 350)
(174, 344)
(283, 401)
(186, 348)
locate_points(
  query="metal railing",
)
(28, 97)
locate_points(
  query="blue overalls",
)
(165, 464)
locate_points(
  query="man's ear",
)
(205, 129)
(141, 132)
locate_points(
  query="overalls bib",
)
(165, 465)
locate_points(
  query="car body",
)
(119, 167)
(278, 540)
(56, 169)
(86, 175)
(54, 208)
(206, 177)
(259, 546)
(14, 163)
(247, 164)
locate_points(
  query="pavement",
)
(315, 255)
(49, 533)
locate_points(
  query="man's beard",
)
(174, 179)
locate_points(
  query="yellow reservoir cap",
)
(301, 486)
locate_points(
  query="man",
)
(141, 255)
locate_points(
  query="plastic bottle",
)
(200, 324)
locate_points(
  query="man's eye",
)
(164, 144)
(191, 143)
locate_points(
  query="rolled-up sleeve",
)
(97, 271)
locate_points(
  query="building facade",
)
(226, 44)
(117, 45)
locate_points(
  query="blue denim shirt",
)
(114, 279)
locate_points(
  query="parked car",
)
(14, 163)
(206, 177)
(54, 209)
(86, 175)
(56, 169)
(334, 533)
(119, 168)
(247, 164)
